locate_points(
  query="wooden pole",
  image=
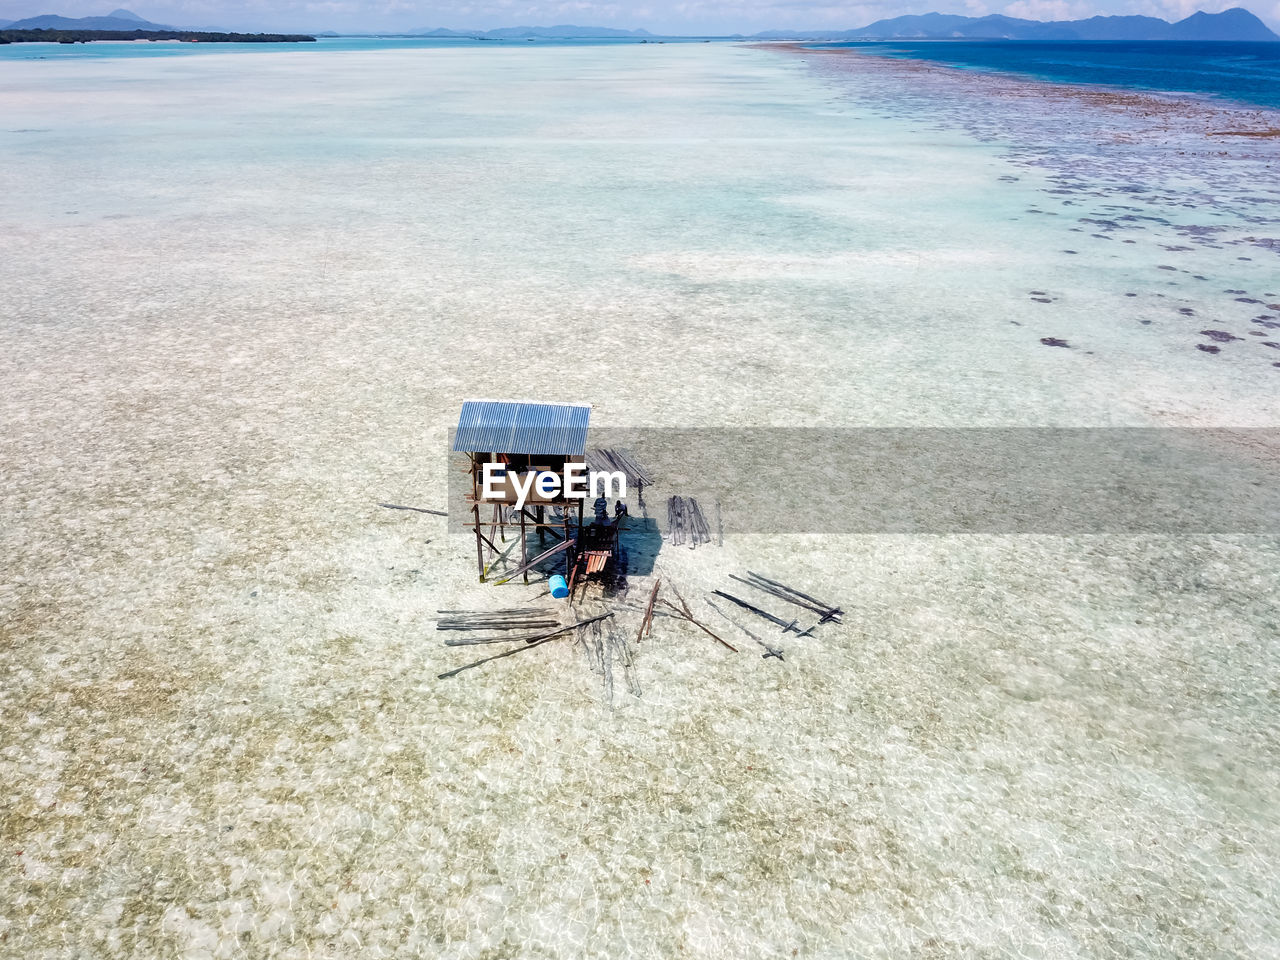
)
(528, 645)
(524, 548)
(475, 509)
(647, 619)
(683, 615)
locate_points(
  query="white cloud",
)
(1049, 10)
(1180, 9)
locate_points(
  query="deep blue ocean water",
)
(1244, 72)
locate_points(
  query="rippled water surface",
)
(245, 294)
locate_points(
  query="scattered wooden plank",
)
(685, 615)
(770, 650)
(646, 622)
(529, 644)
(785, 625)
(516, 618)
(622, 652)
(396, 506)
(474, 641)
(505, 611)
(790, 594)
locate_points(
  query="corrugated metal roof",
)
(507, 426)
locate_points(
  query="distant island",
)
(565, 31)
(1236, 24)
(126, 25)
(55, 35)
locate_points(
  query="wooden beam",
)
(396, 506)
(562, 545)
(647, 619)
(529, 644)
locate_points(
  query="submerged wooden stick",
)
(683, 615)
(529, 644)
(396, 506)
(683, 603)
(473, 641)
(647, 619)
(791, 595)
(770, 650)
(756, 610)
(471, 626)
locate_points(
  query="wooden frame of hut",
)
(524, 437)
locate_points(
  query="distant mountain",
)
(118, 20)
(561, 32)
(1233, 24)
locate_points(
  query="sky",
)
(687, 17)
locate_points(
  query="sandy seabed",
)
(244, 298)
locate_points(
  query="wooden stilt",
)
(475, 509)
(524, 552)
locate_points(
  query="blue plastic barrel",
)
(559, 589)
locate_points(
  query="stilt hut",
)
(525, 438)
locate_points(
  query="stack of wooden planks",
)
(610, 460)
(685, 522)
(512, 618)
(523, 643)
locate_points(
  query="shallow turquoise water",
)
(736, 184)
(245, 295)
